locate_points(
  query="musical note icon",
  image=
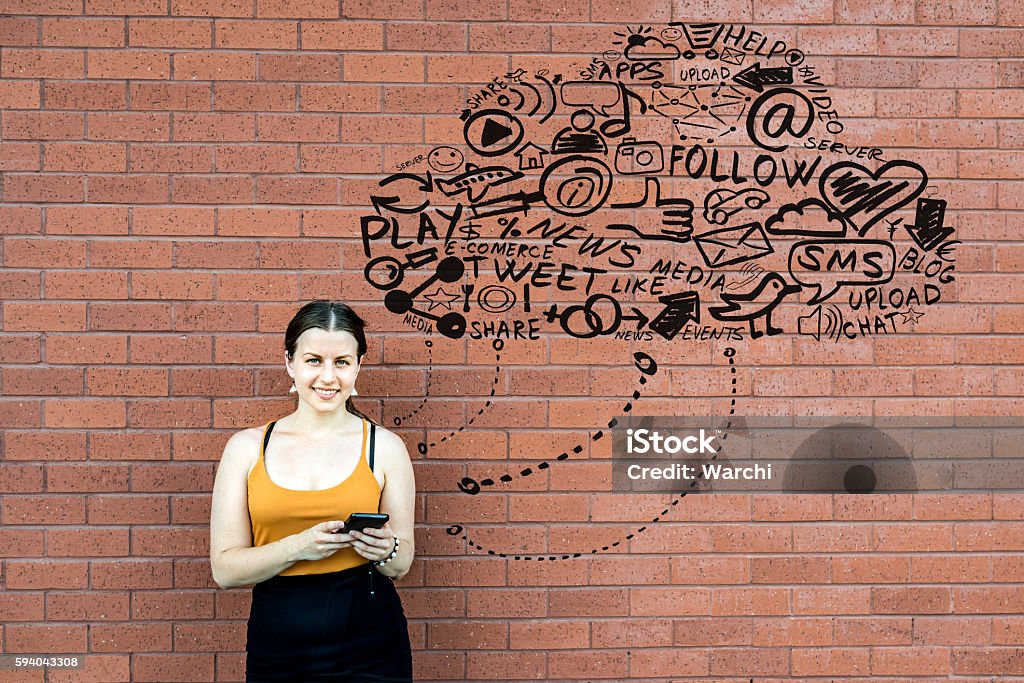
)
(617, 127)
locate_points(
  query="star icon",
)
(440, 298)
(911, 316)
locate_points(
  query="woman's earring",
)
(293, 390)
(354, 392)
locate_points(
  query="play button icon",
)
(493, 132)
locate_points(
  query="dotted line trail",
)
(457, 529)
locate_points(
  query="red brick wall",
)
(178, 175)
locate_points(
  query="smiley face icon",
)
(671, 33)
(445, 159)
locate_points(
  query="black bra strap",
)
(266, 437)
(373, 433)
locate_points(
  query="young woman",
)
(323, 606)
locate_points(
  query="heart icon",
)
(862, 197)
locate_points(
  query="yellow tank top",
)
(277, 512)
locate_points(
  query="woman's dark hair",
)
(332, 316)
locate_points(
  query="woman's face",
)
(324, 367)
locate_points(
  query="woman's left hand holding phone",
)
(374, 544)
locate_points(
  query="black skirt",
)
(339, 626)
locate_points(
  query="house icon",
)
(530, 157)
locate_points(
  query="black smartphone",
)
(358, 521)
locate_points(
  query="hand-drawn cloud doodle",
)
(694, 181)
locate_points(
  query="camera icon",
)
(632, 157)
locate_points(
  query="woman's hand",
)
(318, 542)
(374, 544)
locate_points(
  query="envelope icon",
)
(733, 56)
(733, 245)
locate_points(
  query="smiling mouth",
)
(326, 394)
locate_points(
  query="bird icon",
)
(757, 303)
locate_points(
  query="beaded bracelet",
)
(394, 552)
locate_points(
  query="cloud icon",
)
(810, 217)
(649, 48)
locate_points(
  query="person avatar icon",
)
(580, 137)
